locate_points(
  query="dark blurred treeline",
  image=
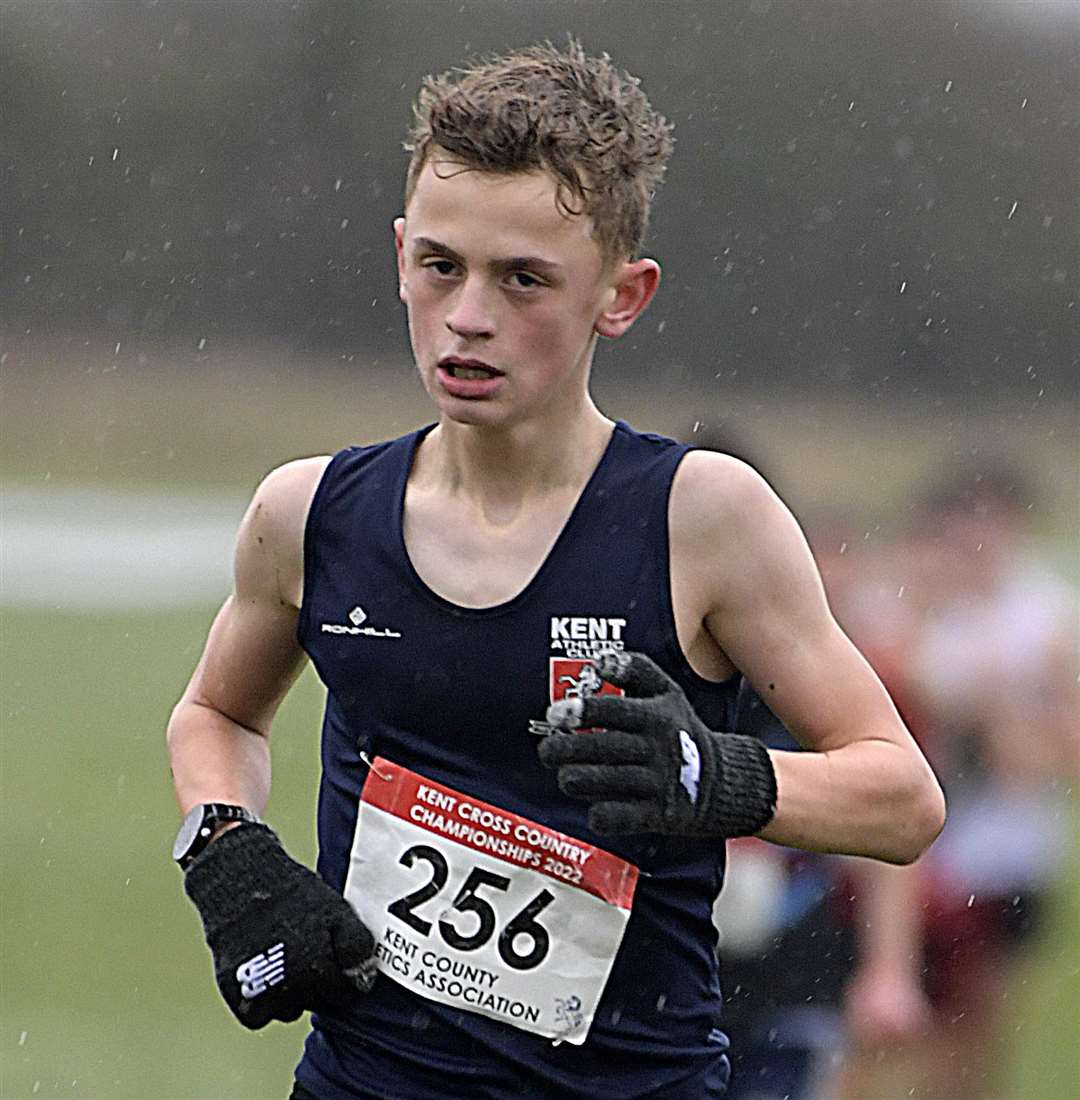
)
(867, 196)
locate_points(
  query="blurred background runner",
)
(985, 653)
(845, 979)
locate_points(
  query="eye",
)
(524, 281)
(441, 266)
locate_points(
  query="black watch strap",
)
(199, 825)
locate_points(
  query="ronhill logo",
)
(357, 617)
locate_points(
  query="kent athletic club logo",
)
(356, 625)
(579, 638)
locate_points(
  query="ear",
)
(399, 248)
(634, 284)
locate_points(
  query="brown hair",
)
(577, 117)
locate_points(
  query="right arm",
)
(218, 734)
(282, 940)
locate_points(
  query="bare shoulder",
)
(718, 496)
(270, 543)
(288, 489)
(727, 521)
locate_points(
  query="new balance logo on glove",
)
(262, 971)
(690, 772)
(249, 892)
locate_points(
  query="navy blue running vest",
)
(455, 694)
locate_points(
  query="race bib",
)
(479, 908)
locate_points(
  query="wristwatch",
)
(198, 828)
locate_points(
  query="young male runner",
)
(528, 851)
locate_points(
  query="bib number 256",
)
(523, 927)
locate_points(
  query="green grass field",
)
(107, 988)
(107, 985)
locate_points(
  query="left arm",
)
(746, 586)
(865, 788)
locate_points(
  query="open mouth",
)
(468, 369)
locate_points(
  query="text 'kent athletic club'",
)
(585, 636)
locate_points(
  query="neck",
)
(512, 464)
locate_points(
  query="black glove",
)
(654, 767)
(282, 940)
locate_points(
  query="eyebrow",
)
(509, 263)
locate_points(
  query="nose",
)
(470, 311)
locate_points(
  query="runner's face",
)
(503, 293)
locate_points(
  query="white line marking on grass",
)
(79, 549)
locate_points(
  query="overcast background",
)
(871, 197)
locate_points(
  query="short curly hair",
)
(577, 117)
